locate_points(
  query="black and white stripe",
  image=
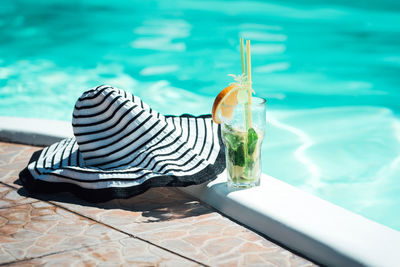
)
(122, 144)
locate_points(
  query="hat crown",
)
(109, 124)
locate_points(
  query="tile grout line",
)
(8, 185)
(114, 228)
(128, 234)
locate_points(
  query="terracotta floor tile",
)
(14, 152)
(37, 229)
(8, 157)
(9, 177)
(126, 252)
(224, 243)
(15, 165)
(204, 235)
(13, 159)
(7, 147)
(26, 154)
(9, 197)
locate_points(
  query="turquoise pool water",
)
(330, 72)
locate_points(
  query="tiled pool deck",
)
(162, 227)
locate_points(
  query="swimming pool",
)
(330, 73)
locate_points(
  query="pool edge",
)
(320, 230)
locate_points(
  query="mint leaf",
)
(252, 139)
(236, 156)
(232, 141)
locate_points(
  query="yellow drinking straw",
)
(242, 56)
(249, 81)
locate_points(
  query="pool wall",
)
(315, 228)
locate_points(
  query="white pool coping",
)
(317, 229)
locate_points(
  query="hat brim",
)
(60, 167)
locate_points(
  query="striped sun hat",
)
(122, 147)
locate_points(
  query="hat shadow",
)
(155, 205)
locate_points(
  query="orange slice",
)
(228, 97)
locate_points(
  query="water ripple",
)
(314, 181)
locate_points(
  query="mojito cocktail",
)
(243, 147)
(243, 125)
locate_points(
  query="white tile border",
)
(318, 229)
(29, 131)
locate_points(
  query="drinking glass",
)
(243, 129)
